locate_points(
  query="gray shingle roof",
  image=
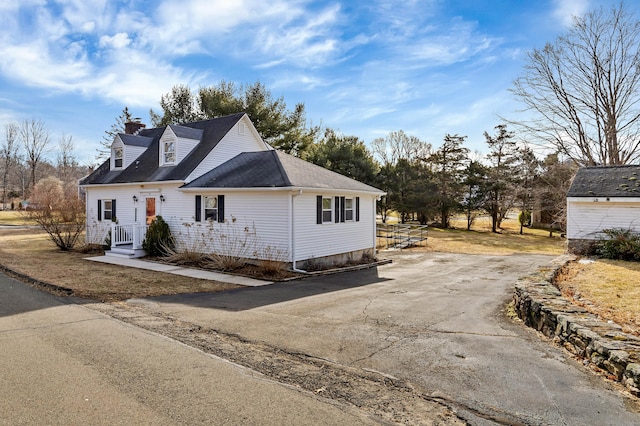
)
(146, 168)
(609, 181)
(135, 140)
(275, 169)
(186, 132)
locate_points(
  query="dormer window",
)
(117, 158)
(169, 152)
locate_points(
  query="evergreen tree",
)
(118, 127)
(501, 175)
(346, 155)
(448, 164)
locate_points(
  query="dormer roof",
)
(186, 132)
(135, 140)
(147, 169)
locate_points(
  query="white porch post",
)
(113, 235)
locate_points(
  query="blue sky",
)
(365, 68)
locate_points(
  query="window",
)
(348, 208)
(211, 208)
(340, 209)
(326, 209)
(169, 152)
(107, 209)
(117, 158)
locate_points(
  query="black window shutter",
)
(357, 209)
(337, 209)
(342, 209)
(99, 210)
(221, 208)
(319, 209)
(113, 210)
(198, 208)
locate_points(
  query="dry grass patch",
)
(608, 288)
(482, 241)
(30, 252)
(12, 217)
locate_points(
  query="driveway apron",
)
(436, 320)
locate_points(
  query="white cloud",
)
(566, 10)
(117, 41)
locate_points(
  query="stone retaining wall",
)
(539, 303)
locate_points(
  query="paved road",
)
(433, 319)
(66, 364)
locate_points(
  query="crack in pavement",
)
(384, 397)
(57, 324)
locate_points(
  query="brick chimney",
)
(133, 127)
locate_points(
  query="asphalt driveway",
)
(436, 320)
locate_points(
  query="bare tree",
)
(582, 93)
(398, 146)
(35, 141)
(67, 162)
(9, 156)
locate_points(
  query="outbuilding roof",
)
(606, 181)
(275, 169)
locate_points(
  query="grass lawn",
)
(29, 251)
(13, 217)
(608, 288)
(480, 240)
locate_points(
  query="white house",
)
(216, 182)
(602, 198)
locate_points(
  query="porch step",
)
(125, 253)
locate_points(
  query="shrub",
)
(234, 244)
(58, 211)
(158, 238)
(621, 244)
(273, 260)
(524, 218)
(190, 250)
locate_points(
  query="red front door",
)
(151, 209)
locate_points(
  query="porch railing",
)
(129, 234)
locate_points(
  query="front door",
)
(151, 209)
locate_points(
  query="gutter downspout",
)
(293, 234)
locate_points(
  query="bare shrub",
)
(235, 243)
(59, 211)
(189, 249)
(273, 260)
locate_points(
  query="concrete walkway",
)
(178, 270)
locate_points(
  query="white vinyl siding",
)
(232, 144)
(316, 241)
(129, 153)
(586, 219)
(264, 214)
(180, 149)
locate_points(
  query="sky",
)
(365, 68)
